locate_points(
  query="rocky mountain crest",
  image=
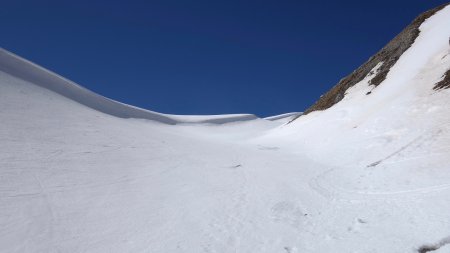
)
(388, 56)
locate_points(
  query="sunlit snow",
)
(82, 173)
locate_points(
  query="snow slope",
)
(286, 117)
(28, 71)
(82, 173)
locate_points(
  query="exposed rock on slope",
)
(388, 55)
(444, 83)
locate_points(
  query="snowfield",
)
(83, 173)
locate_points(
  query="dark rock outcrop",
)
(444, 83)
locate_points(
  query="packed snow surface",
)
(82, 173)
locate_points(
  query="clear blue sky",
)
(205, 57)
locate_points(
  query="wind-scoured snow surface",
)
(82, 173)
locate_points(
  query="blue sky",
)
(205, 57)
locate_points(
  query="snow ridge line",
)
(30, 72)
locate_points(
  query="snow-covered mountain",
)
(366, 169)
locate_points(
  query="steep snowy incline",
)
(28, 71)
(388, 143)
(383, 60)
(370, 123)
